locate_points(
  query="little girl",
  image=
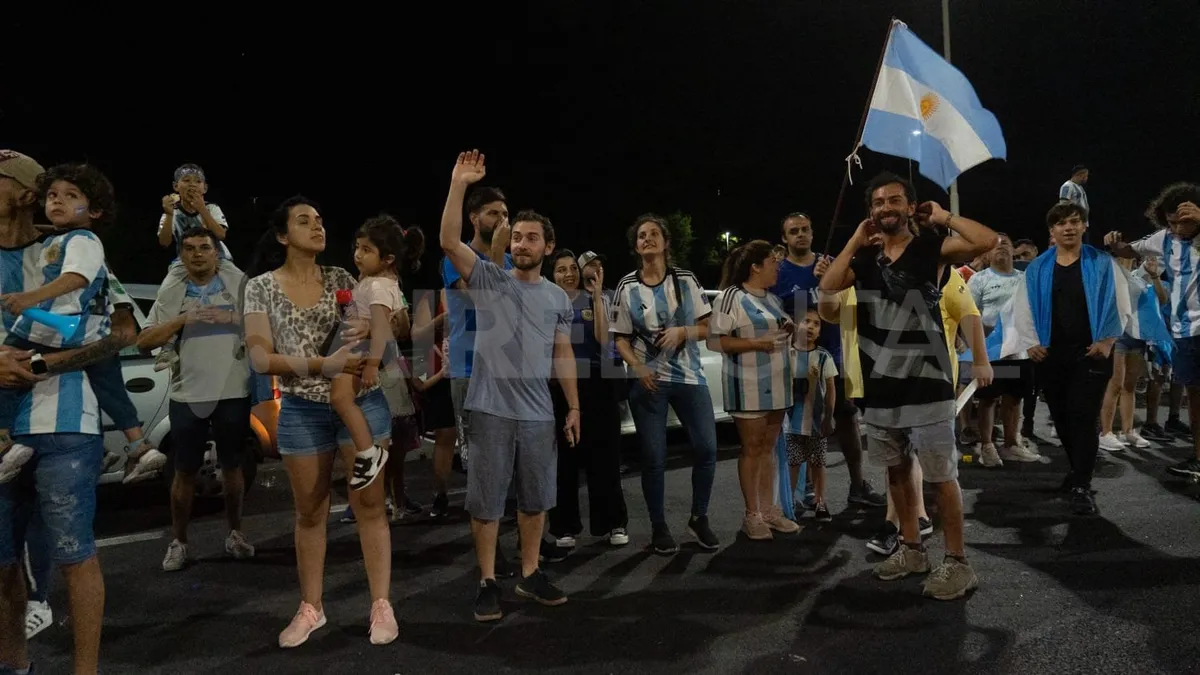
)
(379, 243)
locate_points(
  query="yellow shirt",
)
(956, 304)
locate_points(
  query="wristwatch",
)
(38, 365)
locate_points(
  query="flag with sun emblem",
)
(924, 109)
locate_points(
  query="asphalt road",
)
(1118, 593)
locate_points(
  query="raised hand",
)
(1152, 268)
(932, 213)
(865, 232)
(821, 267)
(1112, 238)
(469, 168)
(1188, 212)
(169, 202)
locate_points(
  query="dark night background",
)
(590, 112)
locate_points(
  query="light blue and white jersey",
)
(74, 252)
(1073, 192)
(754, 381)
(812, 371)
(640, 312)
(184, 221)
(992, 291)
(18, 272)
(1180, 275)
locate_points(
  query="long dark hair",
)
(661, 223)
(269, 254)
(736, 270)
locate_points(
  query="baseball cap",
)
(590, 256)
(21, 168)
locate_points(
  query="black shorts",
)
(1012, 378)
(844, 408)
(226, 421)
(437, 407)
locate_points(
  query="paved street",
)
(1119, 593)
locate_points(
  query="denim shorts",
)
(310, 428)
(1128, 345)
(60, 484)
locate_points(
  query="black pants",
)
(1074, 386)
(1030, 405)
(598, 453)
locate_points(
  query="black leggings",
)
(1074, 386)
(598, 453)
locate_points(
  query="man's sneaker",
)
(565, 542)
(537, 587)
(885, 541)
(412, 507)
(15, 457)
(384, 630)
(821, 513)
(38, 618)
(969, 435)
(368, 465)
(1110, 443)
(989, 457)
(1134, 439)
(149, 463)
(774, 518)
(1019, 453)
(1082, 502)
(441, 506)
(926, 526)
(167, 358)
(552, 553)
(661, 540)
(306, 621)
(1176, 426)
(698, 528)
(1188, 468)
(176, 556)
(1151, 431)
(237, 546)
(487, 602)
(905, 561)
(111, 461)
(755, 527)
(618, 537)
(950, 580)
(863, 495)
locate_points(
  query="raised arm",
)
(468, 169)
(840, 276)
(973, 238)
(166, 224)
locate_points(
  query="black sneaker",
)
(1175, 425)
(1068, 483)
(698, 528)
(662, 542)
(821, 513)
(441, 506)
(863, 495)
(1188, 468)
(1154, 432)
(504, 568)
(412, 507)
(552, 553)
(886, 541)
(368, 464)
(926, 526)
(1082, 503)
(487, 602)
(537, 587)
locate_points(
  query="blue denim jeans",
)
(693, 406)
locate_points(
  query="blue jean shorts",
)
(60, 484)
(311, 428)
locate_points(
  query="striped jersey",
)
(1073, 192)
(640, 312)
(753, 380)
(1180, 276)
(78, 252)
(812, 370)
(184, 221)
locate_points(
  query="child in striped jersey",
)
(811, 417)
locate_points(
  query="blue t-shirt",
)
(460, 309)
(588, 352)
(797, 285)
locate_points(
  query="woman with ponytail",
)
(752, 330)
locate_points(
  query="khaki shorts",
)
(933, 444)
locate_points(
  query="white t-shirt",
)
(182, 222)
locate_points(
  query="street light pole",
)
(946, 53)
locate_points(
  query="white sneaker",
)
(176, 556)
(618, 537)
(1019, 453)
(988, 456)
(1135, 439)
(15, 457)
(237, 546)
(38, 618)
(1110, 442)
(368, 465)
(148, 464)
(565, 542)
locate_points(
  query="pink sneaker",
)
(303, 624)
(383, 623)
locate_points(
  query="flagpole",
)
(946, 51)
(862, 123)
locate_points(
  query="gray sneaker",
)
(950, 580)
(176, 557)
(237, 546)
(905, 561)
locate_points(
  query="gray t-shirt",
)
(512, 368)
(212, 362)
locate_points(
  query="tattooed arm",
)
(124, 333)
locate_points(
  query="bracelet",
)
(575, 408)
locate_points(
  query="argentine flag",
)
(1118, 304)
(924, 109)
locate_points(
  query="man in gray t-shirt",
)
(512, 418)
(210, 385)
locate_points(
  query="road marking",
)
(130, 538)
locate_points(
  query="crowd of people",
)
(525, 376)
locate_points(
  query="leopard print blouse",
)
(296, 331)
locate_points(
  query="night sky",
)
(590, 112)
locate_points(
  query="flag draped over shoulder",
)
(1118, 304)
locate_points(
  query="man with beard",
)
(799, 275)
(512, 425)
(908, 386)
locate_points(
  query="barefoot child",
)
(812, 413)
